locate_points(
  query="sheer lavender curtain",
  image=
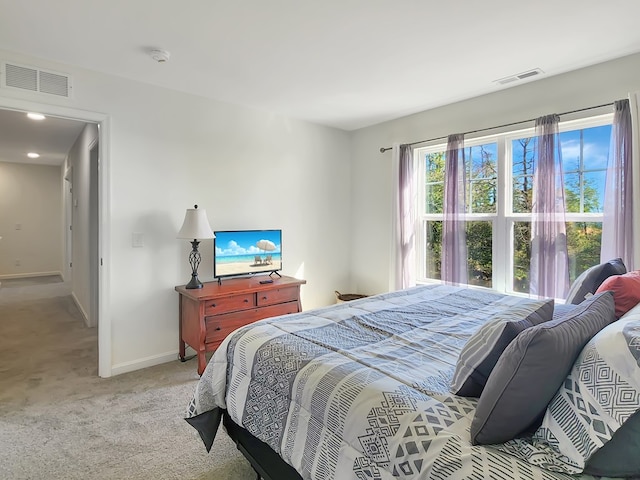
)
(405, 217)
(549, 257)
(617, 226)
(454, 237)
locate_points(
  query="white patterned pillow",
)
(600, 394)
(481, 353)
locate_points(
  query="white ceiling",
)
(52, 138)
(343, 63)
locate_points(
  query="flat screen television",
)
(246, 252)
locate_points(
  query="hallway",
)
(43, 340)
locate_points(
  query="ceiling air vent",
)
(519, 76)
(36, 80)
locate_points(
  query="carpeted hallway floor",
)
(59, 420)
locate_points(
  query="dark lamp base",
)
(194, 283)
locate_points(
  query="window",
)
(499, 185)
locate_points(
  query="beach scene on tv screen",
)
(244, 252)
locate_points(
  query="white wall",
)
(78, 161)
(371, 181)
(30, 196)
(249, 169)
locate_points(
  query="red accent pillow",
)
(626, 291)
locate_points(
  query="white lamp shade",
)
(195, 225)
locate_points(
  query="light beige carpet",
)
(59, 420)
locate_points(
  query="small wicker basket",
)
(347, 297)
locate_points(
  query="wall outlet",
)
(17, 262)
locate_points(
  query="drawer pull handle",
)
(264, 298)
(246, 300)
(218, 329)
(213, 305)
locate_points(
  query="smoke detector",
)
(160, 56)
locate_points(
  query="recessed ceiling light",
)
(35, 116)
(33, 155)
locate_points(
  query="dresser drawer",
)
(281, 309)
(219, 326)
(229, 304)
(280, 295)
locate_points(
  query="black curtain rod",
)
(384, 149)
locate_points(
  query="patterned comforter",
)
(360, 390)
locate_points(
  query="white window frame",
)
(504, 218)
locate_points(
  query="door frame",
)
(104, 211)
(68, 223)
(94, 230)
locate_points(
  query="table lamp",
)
(196, 227)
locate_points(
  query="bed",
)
(363, 390)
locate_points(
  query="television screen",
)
(244, 252)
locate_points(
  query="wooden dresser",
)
(209, 314)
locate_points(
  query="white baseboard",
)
(79, 305)
(29, 275)
(151, 361)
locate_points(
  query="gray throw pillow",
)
(481, 352)
(532, 368)
(589, 281)
(619, 457)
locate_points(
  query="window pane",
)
(434, 167)
(433, 249)
(583, 242)
(434, 198)
(523, 163)
(594, 191)
(483, 196)
(587, 197)
(588, 147)
(596, 147)
(521, 256)
(479, 252)
(481, 161)
(434, 182)
(571, 150)
(584, 156)
(572, 200)
(522, 194)
(481, 178)
(523, 158)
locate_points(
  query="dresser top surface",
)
(238, 285)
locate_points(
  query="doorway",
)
(98, 228)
